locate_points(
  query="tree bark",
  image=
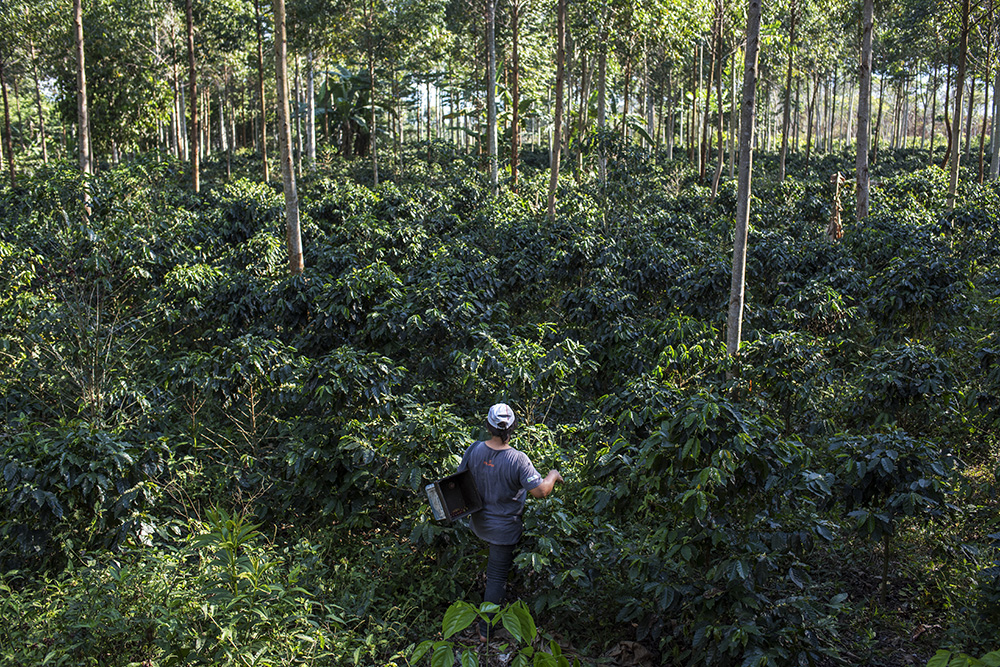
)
(292, 233)
(82, 107)
(963, 49)
(787, 112)
(602, 88)
(372, 130)
(810, 112)
(557, 132)
(311, 110)
(720, 130)
(491, 94)
(864, 108)
(515, 129)
(38, 102)
(968, 117)
(260, 90)
(747, 114)
(995, 143)
(193, 94)
(8, 145)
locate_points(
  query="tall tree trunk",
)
(602, 87)
(557, 132)
(864, 108)
(720, 144)
(878, 119)
(787, 112)
(292, 234)
(982, 129)
(260, 90)
(934, 87)
(491, 94)
(732, 117)
(968, 117)
(8, 145)
(193, 94)
(515, 129)
(706, 127)
(810, 112)
(995, 142)
(947, 116)
(372, 129)
(748, 111)
(582, 119)
(963, 50)
(82, 105)
(38, 101)
(311, 111)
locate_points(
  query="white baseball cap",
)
(501, 417)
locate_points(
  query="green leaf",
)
(458, 617)
(444, 655)
(940, 659)
(469, 658)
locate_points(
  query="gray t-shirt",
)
(503, 478)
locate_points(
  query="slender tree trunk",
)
(372, 129)
(982, 130)
(229, 128)
(260, 90)
(995, 143)
(733, 118)
(878, 120)
(947, 116)
(491, 94)
(786, 117)
(934, 87)
(963, 49)
(193, 94)
(557, 132)
(602, 71)
(311, 110)
(747, 114)
(810, 112)
(8, 145)
(706, 126)
(38, 101)
(292, 234)
(720, 130)
(515, 129)
(968, 117)
(582, 119)
(864, 109)
(82, 105)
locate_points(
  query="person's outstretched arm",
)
(549, 483)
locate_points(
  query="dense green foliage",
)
(206, 460)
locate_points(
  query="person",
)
(504, 476)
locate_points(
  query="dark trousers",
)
(497, 569)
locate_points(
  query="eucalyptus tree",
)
(793, 16)
(293, 235)
(82, 104)
(748, 112)
(557, 132)
(963, 50)
(864, 109)
(491, 93)
(7, 143)
(195, 136)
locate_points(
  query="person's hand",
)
(554, 474)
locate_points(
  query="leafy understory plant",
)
(515, 618)
(945, 658)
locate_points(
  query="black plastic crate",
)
(454, 496)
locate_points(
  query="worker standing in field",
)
(504, 476)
